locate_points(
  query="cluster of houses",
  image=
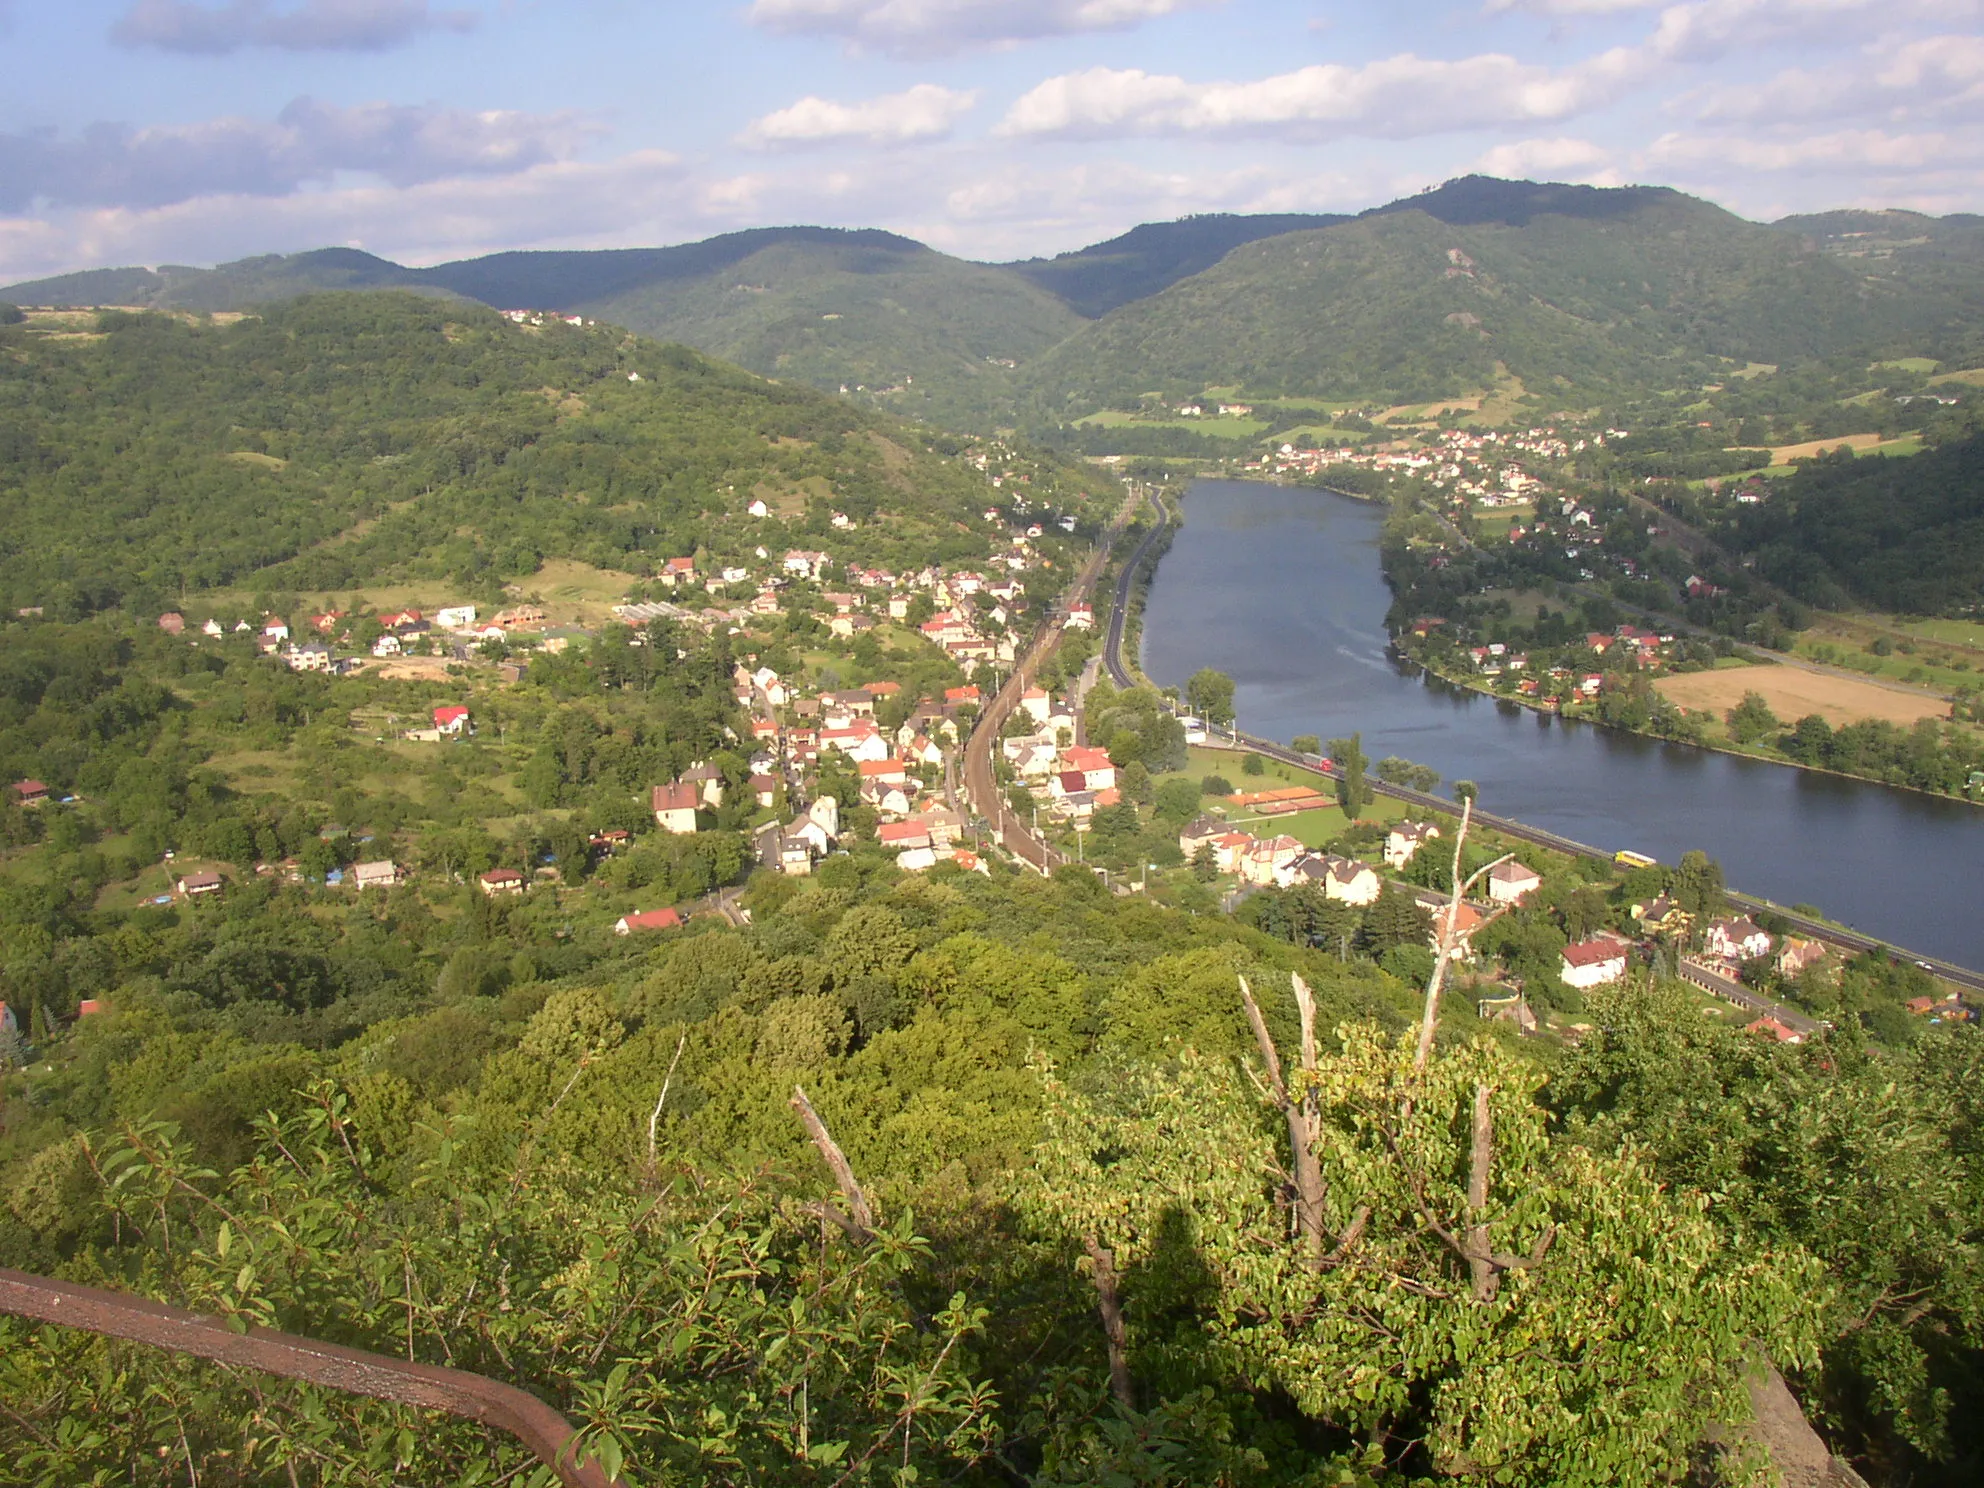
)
(452, 628)
(974, 610)
(1070, 781)
(1481, 469)
(1629, 646)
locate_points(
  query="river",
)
(1280, 588)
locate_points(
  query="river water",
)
(1280, 588)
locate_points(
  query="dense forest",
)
(1904, 535)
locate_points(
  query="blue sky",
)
(195, 131)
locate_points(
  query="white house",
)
(1592, 963)
(758, 509)
(380, 875)
(1405, 839)
(1509, 882)
(675, 808)
(1736, 940)
(455, 617)
(1351, 881)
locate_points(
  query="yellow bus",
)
(1627, 859)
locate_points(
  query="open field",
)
(1860, 444)
(1794, 694)
(1974, 377)
(573, 592)
(1218, 428)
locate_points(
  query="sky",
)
(200, 131)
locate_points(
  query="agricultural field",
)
(1794, 693)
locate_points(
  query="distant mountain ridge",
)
(1581, 293)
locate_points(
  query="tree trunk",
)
(1109, 1303)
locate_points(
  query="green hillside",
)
(1904, 534)
(336, 440)
(1155, 255)
(1582, 294)
(928, 334)
(1613, 294)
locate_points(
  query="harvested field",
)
(1793, 694)
(1860, 444)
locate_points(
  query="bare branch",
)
(1305, 1008)
(1266, 1042)
(1304, 1120)
(654, 1116)
(1109, 1303)
(1444, 952)
(860, 1219)
(1481, 1153)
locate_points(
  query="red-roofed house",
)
(900, 836)
(501, 881)
(1772, 1029)
(962, 694)
(451, 718)
(647, 919)
(1592, 963)
(1098, 771)
(675, 807)
(29, 792)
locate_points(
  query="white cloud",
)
(925, 26)
(645, 197)
(1931, 76)
(1558, 159)
(311, 25)
(1396, 97)
(924, 112)
(1844, 152)
(112, 165)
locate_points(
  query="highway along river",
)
(1280, 588)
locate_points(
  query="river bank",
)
(1280, 587)
(1587, 714)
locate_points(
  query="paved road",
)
(1852, 940)
(1711, 980)
(981, 783)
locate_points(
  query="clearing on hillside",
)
(1794, 694)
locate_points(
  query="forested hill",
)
(1904, 535)
(1584, 297)
(1587, 295)
(928, 335)
(1155, 255)
(343, 439)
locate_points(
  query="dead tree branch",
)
(1299, 1110)
(654, 1116)
(859, 1221)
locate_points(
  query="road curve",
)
(1851, 940)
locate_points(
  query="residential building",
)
(675, 806)
(1511, 882)
(502, 881)
(1738, 939)
(452, 718)
(1405, 840)
(1592, 963)
(383, 874)
(196, 885)
(647, 919)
